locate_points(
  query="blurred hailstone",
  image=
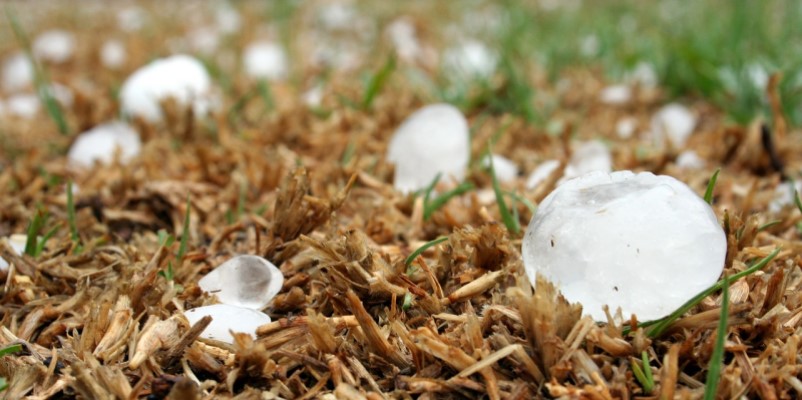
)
(17, 242)
(506, 170)
(54, 46)
(615, 94)
(625, 127)
(591, 156)
(470, 59)
(180, 77)
(17, 72)
(265, 60)
(674, 122)
(226, 318)
(688, 159)
(112, 54)
(101, 143)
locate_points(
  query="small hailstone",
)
(758, 75)
(688, 159)
(266, 60)
(641, 242)
(587, 157)
(432, 140)
(643, 74)
(131, 19)
(180, 77)
(113, 54)
(337, 15)
(314, 96)
(402, 35)
(227, 318)
(470, 59)
(244, 281)
(101, 143)
(625, 127)
(589, 46)
(24, 105)
(54, 46)
(17, 242)
(506, 170)
(615, 95)
(541, 173)
(784, 195)
(674, 121)
(204, 40)
(227, 19)
(17, 72)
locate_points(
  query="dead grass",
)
(101, 323)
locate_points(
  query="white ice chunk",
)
(54, 46)
(688, 159)
(506, 170)
(226, 318)
(131, 18)
(470, 59)
(674, 121)
(244, 281)
(17, 72)
(180, 77)
(643, 74)
(314, 96)
(101, 143)
(17, 242)
(541, 173)
(24, 105)
(204, 40)
(266, 60)
(589, 157)
(434, 139)
(784, 195)
(625, 127)
(402, 35)
(615, 95)
(112, 54)
(642, 242)
(228, 19)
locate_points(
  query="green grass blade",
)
(427, 192)
(41, 243)
(71, 214)
(797, 201)
(768, 225)
(423, 248)
(647, 370)
(34, 227)
(710, 185)
(11, 349)
(377, 82)
(661, 325)
(431, 206)
(510, 221)
(40, 79)
(182, 247)
(266, 94)
(640, 375)
(714, 368)
(523, 200)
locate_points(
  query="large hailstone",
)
(226, 318)
(180, 77)
(641, 242)
(433, 140)
(101, 143)
(265, 60)
(244, 281)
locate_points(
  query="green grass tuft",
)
(643, 374)
(710, 185)
(510, 220)
(714, 368)
(423, 248)
(377, 82)
(429, 207)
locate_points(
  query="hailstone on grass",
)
(641, 242)
(17, 243)
(470, 59)
(17, 72)
(674, 122)
(180, 77)
(265, 60)
(227, 318)
(506, 170)
(615, 94)
(244, 281)
(433, 140)
(54, 46)
(101, 144)
(112, 54)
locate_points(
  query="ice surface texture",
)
(642, 242)
(227, 317)
(244, 281)
(432, 140)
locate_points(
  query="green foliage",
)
(34, 245)
(510, 220)
(423, 248)
(714, 368)
(710, 185)
(643, 374)
(377, 82)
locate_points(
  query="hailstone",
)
(244, 281)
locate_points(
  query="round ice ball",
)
(641, 242)
(180, 77)
(433, 140)
(265, 60)
(101, 143)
